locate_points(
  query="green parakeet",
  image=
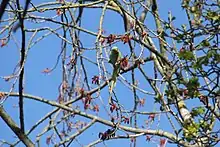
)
(114, 59)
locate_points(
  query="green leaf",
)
(204, 124)
(211, 53)
(178, 37)
(190, 130)
(173, 18)
(167, 26)
(196, 66)
(194, 82)
(212, 15)
(186, 55)
(184, 27)
(192, 87)
(157, 99)
(179, 41)
(201, 61)
(185, 3)
(197, 111)
(205, 43)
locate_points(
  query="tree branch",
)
(8, 120)
(2, 8)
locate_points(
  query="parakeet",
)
(114, 59)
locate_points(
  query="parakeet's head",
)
(115, 55)
(115, 49)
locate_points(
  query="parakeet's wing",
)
(115, 56)
(115, 73)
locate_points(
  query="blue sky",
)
(44, 55)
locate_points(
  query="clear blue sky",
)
(44, 55)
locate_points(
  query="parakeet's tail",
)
(113, 82)
(112, 85)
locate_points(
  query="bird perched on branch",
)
(115, 60)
